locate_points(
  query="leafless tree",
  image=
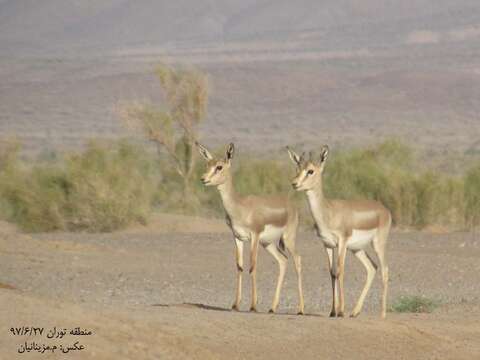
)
(174, 128)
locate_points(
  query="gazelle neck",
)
(229, 196)
(318, 205)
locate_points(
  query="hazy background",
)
(305, 72)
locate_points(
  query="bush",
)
(472, 197)
(387, 173)
(414, 304)
(377, 173)
(102, 189)
(34, 198)
(108, 187)
(260, 176)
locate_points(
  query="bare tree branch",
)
(186, 95)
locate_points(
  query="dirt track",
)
(148, 294)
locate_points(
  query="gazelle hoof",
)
(340, 314)
(235, 307)
(253, 309)
(333, 314)
(354, 315)
(271, 311)
(300, 312)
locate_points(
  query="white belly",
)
(271, 234)
(360, 239)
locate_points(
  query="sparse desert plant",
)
(472, 197)
(108, 189)
(389, 173)
(376, 173)
(102, 189)
(34, 197)
(414, 304)
(9, 150)
(258, 176)
(8, 165)
(261, 176)
(174, 129)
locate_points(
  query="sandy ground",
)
(165, 292)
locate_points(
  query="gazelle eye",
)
(219, 167)
(310, 172)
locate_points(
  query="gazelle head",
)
(309, 172)
(218, 170)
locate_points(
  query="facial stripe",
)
(305, 175)
(209, 173)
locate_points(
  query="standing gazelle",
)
(268, 220)
(342, 225)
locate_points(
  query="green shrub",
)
(388, 173)
(35, 198)
(377, 173)
(101, 189)
(260, 176)
(414, 304)
(472, 196)
(108, 187)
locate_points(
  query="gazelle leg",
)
(239, 259)
(297, 259)
(282, 268)
(342, 253)
(253, 270)
(371, 268)
(333, 276)
(384, 268)
(289, 240)
(379, 247)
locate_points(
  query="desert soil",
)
(165, 292)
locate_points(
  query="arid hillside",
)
(70, 25)
(281, 72)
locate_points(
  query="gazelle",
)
(268, 220)
(342, 225)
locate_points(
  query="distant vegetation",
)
(390, 173)
(472, 196)
(102, 189)
(107, 187)
(414, 304)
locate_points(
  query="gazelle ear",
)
(294, 156)
(203, 151)
(230, 151)
(324, 153)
